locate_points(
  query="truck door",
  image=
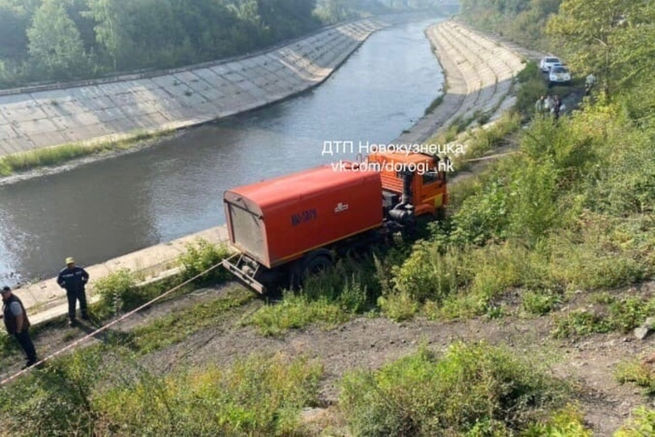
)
(431, 191)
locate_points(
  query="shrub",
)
(398, 306)
(471, 389)
(487, 138)
(427, 273)
(260, 395)
(117, 291)
(202, 255)
(527, 96)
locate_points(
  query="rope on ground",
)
(109, 325)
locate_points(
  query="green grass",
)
(473, 390)
(434, 105)
(261, 395)
(175, 327)
(57, 155)
(567, 422)
(539, 303)
(641, 424)
(621, 315)
(569, 212)
(327, 299)
(103, 391)
(638, 373)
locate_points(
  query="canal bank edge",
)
(97, 114)
(46, 301)
(479, 72)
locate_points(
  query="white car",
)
(547, 63)
(559, 75)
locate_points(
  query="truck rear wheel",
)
(318, 264)
(312, 264)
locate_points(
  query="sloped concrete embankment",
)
(96, 111)
(479, 75)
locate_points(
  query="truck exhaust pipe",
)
(403, 213)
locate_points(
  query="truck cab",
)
(428, 185)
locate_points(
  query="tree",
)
(55, 45)
(588, 30)
(13, 22)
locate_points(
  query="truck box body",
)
(279, 220)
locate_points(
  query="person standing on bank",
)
(17, 323)
(74, 279)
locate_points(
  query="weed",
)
(642, 423)
(539, 303)
(326, 299)
(434, 105)
(175, 327)
(579, 323)
(398, 306)
(637, 372)
(117, 292)
(261, 395)
(298, 311)
(567, 422)
(56, 155)
(471, 389)
(202, 255)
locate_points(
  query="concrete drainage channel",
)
(479, 72)
(108, 110)
(479, 76)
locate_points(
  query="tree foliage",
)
(521, 20)
(64, 39)
(55, 45)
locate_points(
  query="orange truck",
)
(287, 227)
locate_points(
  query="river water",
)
(107, 208)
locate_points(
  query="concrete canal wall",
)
(38, 117)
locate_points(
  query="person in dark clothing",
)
(557, 107)
(74, 279)
(17, 323)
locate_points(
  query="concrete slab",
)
(181, 97)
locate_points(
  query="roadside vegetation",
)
(570, 212)
(473, 390)
(55, 40)
(103, 390)
(523, 21)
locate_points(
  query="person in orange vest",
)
(17, 323)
